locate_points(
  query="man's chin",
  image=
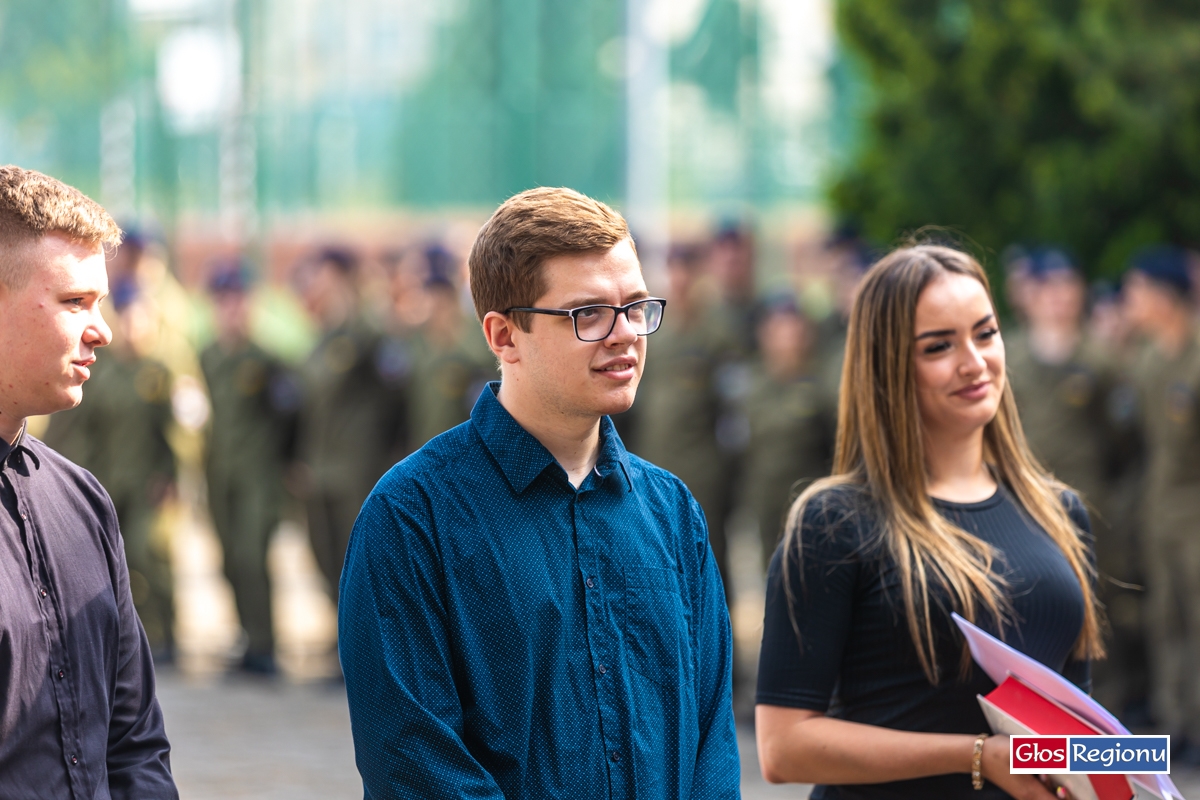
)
(618, 402)
(68, 398)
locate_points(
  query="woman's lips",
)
(976, 391)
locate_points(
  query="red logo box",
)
(1037, 754)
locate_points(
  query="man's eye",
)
(588, 313)
(76, 301)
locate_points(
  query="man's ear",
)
(501, 334)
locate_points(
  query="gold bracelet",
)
(977, 762)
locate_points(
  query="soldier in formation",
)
(352, 417)
(254, 401)
(1159, 303)
(791, 416)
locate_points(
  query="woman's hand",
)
(996, 770)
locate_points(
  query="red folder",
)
(1014, 708)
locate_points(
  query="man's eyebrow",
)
(633, 297)
(951, 331)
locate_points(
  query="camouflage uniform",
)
(1169, 392)
(445, 381)
(792, 426)
(253, 400)
(351, 432)
(679, 407)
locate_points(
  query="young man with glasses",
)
(527, 610)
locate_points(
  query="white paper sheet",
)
(999, 660)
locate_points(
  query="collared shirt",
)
(506, 635)
(78, 715)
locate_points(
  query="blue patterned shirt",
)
(505, 635)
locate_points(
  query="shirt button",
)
(42, 592)
(23, 515)
(590, 583)
(603, 669)
(75, 760)
(615, 756)
(61, 673)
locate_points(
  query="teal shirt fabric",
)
(504, 635)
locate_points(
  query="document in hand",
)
(1001, 661)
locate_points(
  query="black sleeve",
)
(1079, 672)
(138, 758)
(802, 672)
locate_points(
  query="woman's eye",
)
(937, 347)
(989, 333)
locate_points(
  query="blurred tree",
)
(60, 61)
(1071, 121)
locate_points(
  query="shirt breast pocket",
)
(657, 640)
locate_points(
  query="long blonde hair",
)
(879, 449)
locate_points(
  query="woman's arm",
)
(801, 746)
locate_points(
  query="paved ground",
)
(290, 739)
(236, 740)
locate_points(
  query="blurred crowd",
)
(294, 399)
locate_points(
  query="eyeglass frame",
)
(573, 312)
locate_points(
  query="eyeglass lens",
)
(596, 322)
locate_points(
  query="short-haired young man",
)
(78, 715)
(528, 611)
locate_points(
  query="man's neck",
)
(10, 427)
(574, 441)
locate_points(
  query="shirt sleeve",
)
(405, 714)
(718, 767)
(1079, 671)
(138, 757)
(798, 665)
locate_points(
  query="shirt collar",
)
(6, 449)
(521, 457)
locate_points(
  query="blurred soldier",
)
(851, 257)
(1070, 397)
(680, 403)
(451, 364)
(731, 263)
(792, 420)
(351, 421)
(119, 433)
(253, 405)
(1158, 292)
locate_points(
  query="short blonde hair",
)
(33, 205)
(528, 228)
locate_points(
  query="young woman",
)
(935, 505)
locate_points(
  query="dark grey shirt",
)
(78, 715)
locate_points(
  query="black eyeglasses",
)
(595, 323)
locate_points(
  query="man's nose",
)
(622, 332)
(98, 334)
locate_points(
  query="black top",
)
(78, 715)
(858, 661)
